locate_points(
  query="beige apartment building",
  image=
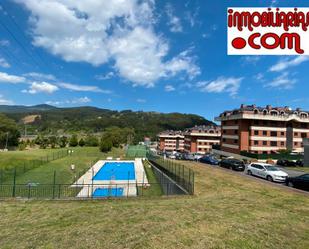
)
(171, 141)
(263, 130)
(200, 139)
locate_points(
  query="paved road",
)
(291, 172)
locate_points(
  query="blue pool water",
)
(106, 192)
(116, 171)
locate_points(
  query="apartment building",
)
(263, 130)
(171, 141)
(200, 139)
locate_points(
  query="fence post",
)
(193, 183)
(128, 184)
(29, 190)
(54, 184)
(14, 183)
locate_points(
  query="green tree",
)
(106, 145)
(53, 140)
(73, 141)
(81, 142)
(91, 141)
(9, 133)
(63, 141)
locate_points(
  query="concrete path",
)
(290, 172)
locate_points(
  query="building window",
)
(256, 142)
(236, 122)
(295, 143)
(256, 122)
(224, 140)
(235, 131)
(295, 134)
(304, 135)
(282, 133)
(273, 143)
(256, 133)
(264, 142)
(265, 122)
(264, 133)
(282, 143)
(224, 131)
(273, 133)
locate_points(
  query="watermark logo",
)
(268, 31)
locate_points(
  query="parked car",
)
(189, 156)
(197, 156)
(209, 160)
(301, 182)
(172, 156)
(300, 163)
(179, 156)
(234, 164)
(267, 171)
(286, 163)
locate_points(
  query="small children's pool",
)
(116, 171)
(108, 192)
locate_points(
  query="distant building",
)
(263, 130)
(171, 141)
(200, 139)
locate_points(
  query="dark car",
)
(209, 160)
(233, 164)
(300, 163)
(300, 182)
(286, 163)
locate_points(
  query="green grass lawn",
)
(82, 158)
(227, 211)
(155, 188)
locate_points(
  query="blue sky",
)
(166, 56)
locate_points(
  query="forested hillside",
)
(52, 120)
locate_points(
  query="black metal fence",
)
(82, 191)
(10, 174)
(182, 175)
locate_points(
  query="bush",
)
(106, 145)
(63, 141)
(73, 141)
(81, 142)
(91, 141)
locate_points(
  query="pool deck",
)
(129, 186)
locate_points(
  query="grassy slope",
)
(228, 211)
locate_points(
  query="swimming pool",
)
(116, 171)
(108, 192)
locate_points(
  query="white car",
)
(267, 171)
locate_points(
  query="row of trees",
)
(112, 137)
(9, 134)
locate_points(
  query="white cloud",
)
(7, 78)
(141, 100)
(82, 100)
(123, 34)
(173, 21)
(4, 101)
(251, 59)
(169, 88)
(40, 76)
(4, 63)
(259, 77)
(230, 85)
(75, 101)
(4, 43)
(282, 82)
(41, 87)
(107, 76)
(287, 63)
(82, 88)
